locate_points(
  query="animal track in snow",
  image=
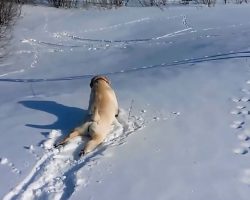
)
(127, 23)
(5, 161)
(235, 112)
(177, 33)
(245, 144)
(237, 124)
(31, 150)
(245, 99)
(245, 112)
(241, 112)
(243, 137)
(240, 107)
(132, 69)
(240, 151)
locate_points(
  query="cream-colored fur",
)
(103, 109)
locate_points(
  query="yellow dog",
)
(103, 110)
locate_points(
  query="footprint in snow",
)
(240, 111)
(236, 100)
(31, 150)
(246, 91)
(245, 99)
(245, 144)
(240, 107)
(235, 112)
(243, 137)
(240, 151)
(6, 162)
(237, 124)
(245, 112)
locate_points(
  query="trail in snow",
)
(57, 173)
(54, 176)
(10, 165)
(241, 113)
(240, 124)
(216, 57)
(187, 30)
(103, 44)
(124, 24)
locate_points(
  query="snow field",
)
(183, 74)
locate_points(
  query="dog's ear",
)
(92, 82)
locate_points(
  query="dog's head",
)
(96, 78)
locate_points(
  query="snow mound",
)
(54, 135)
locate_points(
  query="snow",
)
(4, 161)
(181, 76)
(52, 139)
(243, 137)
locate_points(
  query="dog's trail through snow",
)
(57, 168)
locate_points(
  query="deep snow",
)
(181, 76)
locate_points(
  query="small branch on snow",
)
(130, 109)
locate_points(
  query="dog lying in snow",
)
(103, 110)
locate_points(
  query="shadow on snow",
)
(67, 117)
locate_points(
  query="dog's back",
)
(103, 106)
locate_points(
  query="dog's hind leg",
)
(98, 134)
(69, 137)
(79, 131)
(96, 140)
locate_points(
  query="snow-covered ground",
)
(182, 77)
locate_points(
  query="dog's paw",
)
(57, 145)
(82, 153)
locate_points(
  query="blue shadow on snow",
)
(67, 117)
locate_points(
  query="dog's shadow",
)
(67, 117)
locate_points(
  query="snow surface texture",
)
(181, 74)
